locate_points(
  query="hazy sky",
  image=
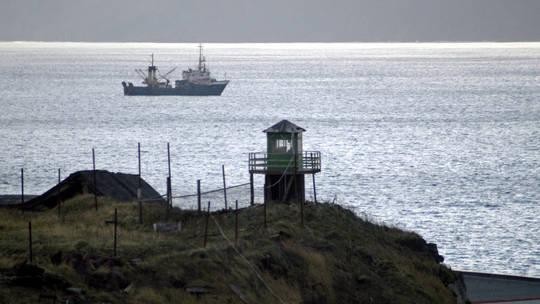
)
(270, 20)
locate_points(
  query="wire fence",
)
(221, 198)
(240, 193)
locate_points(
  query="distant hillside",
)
(335, 258)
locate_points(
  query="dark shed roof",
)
(284, 126)
(119, 186)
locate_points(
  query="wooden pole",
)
(115, 231)
(30, 254)
(236, 223)
(58, 194)
(265, 202)
(206, 225)
(95, 179)
(224, 186)
(139, 185)
(298, 198)
(252, 190)
(115, 235)
(314, 189)
(301, 212)
(22, 186)
(199, 195)
(313, 177)
(170, 178)
(139, 162)
(169, 195)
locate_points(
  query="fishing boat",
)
(194, 82)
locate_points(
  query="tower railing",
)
(305, 162)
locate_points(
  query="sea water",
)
(442, 139)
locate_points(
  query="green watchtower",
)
(285, 163)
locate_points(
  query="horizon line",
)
(277, 42)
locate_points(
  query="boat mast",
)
(151, 77)
(201, 58)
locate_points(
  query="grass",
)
(335, 258)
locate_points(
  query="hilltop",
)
(336, 257)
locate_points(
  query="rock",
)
(197, 291)
(24, 269)
(56, 258)
(128, 289)
(419, 245)
(432, 248)
(109, 262)
(273, 265)
(32, 276)
(281, 236)
(54, 281)
(77, 262)
(75, 295)
(167, 227)
(135, 262)
(111, 281)
(75, 291)
(198, 288)
(177, 282)
(26, 275)
(361, 279)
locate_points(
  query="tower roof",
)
(284, 126)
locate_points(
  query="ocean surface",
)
(442, 139)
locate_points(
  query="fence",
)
(241, 193)
(246, 193)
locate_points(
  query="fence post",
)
(139, 163)
(95, 179)
(169, 183)
(30, 254)
(22, 186)
(139, 185)
(206, 225)
(115, 223)
(236, 223)
(115, 230)
(58, 194)
(169, 194)
(252, 190)
(199, 195)
(224, 186)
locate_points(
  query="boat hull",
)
(188, 89)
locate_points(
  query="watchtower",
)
(284, 163)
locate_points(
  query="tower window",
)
(282, 146)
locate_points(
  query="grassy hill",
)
(336, 257)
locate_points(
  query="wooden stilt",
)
(95, 178)
(252, 190)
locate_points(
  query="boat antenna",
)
(152, 59)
